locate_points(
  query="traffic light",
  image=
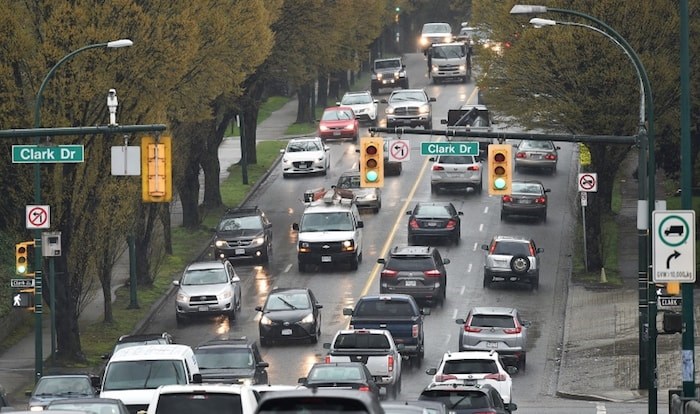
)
(156, 170)
(372, 162)
(500, 160)
(673, 288)
(22, 251)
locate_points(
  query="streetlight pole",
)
(38, 257)
(645, 204)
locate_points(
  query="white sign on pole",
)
(38, 217)
(588, 182)
(674, 246)
(399, 150)
(126, 160)
(584, 199)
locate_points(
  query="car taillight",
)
(507, 199)
(445, 377)
(390, 363)
(364, 388)
(520, 155)
(468, 328)
(550, 157)
(515, 330)
(540, 200)
(413, 224)
(487, 410)
(492, 248)
(532, 250)
(451, 224)
(328, 359)
(389, 273)
(473, 168)
(496, 377)
(414, 331)
(438, 168)
(432, 273)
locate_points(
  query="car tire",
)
(180, 320)
(522, 363)
(285, 175)
(302, 267)
(434, 188)
(232, 315)
(503, 216)
(544, 217)
(392, 390)
(265, 257)
(314, 337)
(552, 170)
(520, 264)
(478, 188)
(411, 240)
(457, 239)
(354, 263)
(264, 342)
(535, 283)
(487, 281)
(375, 90)
(428, 125)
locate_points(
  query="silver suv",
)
(512, 259)
(456, 171)
(208, 288)
(495, 328)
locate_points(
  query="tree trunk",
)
(323, 92)
(250, 117)
(167, 229)
(143, 243)
(342, 79)
(68, 347)
(304, 114)
(212, 138)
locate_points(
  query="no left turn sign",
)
(588, 182)
(38, 217)
(399, 150)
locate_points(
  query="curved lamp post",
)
(38, 270)
(646, 202)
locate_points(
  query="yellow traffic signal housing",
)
(372, 162)
(156, 170)
(22, 251)
(500, 164)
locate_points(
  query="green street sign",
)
(449, 148)
(42, 154)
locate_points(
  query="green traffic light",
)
(21, 270)
(398, 9)
(499, 183)
(371, 176)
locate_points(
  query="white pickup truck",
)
(373, 347)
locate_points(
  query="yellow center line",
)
(375, 270)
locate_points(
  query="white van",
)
(133, 374)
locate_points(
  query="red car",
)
(339, 122)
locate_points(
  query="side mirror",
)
(282, 151)
(459, 321)
(337, 103)
(484, 247)
(326, 148)
(445, 261)
(375, 101)
(425, 311)
(526, 324)
(258, 308)
(510, 407)
(540, 250)
(400, 347)
(106, 356)
(319, 306)
(431, 371)
(347, 311)
(301, 380)
(384, 100)
(327, 345)
(409, 212)
(431, 159)
(381, 260)
(295, 226)
(176, 283)
(96, 382)
(262, 364)
(28, 393)
(460, 213)
(547, 190)
(197, 378)
(360, 224)
(431, 99)
(443, 121)
(558, 147)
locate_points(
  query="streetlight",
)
(645, 203)
(38, 269)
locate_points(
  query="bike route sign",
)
(673, 246)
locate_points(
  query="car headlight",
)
(182, 297)
(225, 295)
(36, 408)
(308, 318)
(285, 161)
(221, 243)
(323, 128)
(258, 240)
(361, 110)
(423, 41)
(448, 39)
(389, 110)
(424, 109)
(304, 247)
(462, 67)
(379, 76)
(435, 68)
(347, 246)
(349, 127)
(265, 321)
(402, 74)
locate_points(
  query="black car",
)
(89, 405)
(340, 375)
(418, 271)
(467, 399)
(126, 341)
(53, 387)
(527, 198)
(323, 401)
(231, 361)
(434, 220)
(243, 232)
(290, 314)
(413, 407)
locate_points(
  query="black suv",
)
(243, 232)
(388, 73)
(418, 271)
(231, 361)
(467, 398)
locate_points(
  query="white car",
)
(304, 156)
(363, 104)
(481, 367)
(455, 171)
(203, 398)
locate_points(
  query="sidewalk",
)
(17, 364)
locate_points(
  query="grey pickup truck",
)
(397, 313)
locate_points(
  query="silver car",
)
(456, 171)
(495, 328)
(208, 288)
(536, 154)
(512, 259)
(364, 197)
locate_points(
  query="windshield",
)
(512, 248)
(387, 64)
(432, 211)
(334, 373)
(205, 402)
(349, 181)
(536, 145)
(492, 321)
(448, 52)
(306, 405)
(134, 375)
(301, 146)
(407, 96)
(460, 399)
(383, 308)
(240, 223)
(429, 28)
(356, 99)
(287, 301)
(337, 115)
(204, 277)
(335, 221)
(224, 358)
(362, 341)
(470, 366)
(527, 188)
(64, 386)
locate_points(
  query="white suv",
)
(455, 171)
(363, 104)
(481, 367)
(203, 398)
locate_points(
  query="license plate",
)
(536, 156)
(410, 283)
(454, 174)
(469, 382)
(525, 201)
(286, 331)
(240, 251)
(336, 133)
(203, 308)
(303, 165)
(492, 344)
(432, 224)
(325, 259)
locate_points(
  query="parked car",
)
(89, 405)
(430, 220)
(126, 341)
(409, 107)
(290, 314)
(53, 387)
(467, 399)
(231, 361)
(488, 328)
(475, 367)
(536, 154)
(370, 198)
(456, 171)
(418, 271)
(305, 156)
(207, 288)
(512, 259)
(244, 233)
(340, 375)
(363, 104)
(338, 122)
(527, 198)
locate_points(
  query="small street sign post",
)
(44, 154)
(588, 182)
(399, 150)
(449, 148)
(22, 283)
(673, 246)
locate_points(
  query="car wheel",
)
(354, 263)
(411, 240)
(314, 337)
(302, 267)
(553, 170)
(265, 257)
(375, 90)
(181, 321)
(392, 391)
(356, 137)
(434, 188)
(503, 216)
(456, 239)
(264, 342)
(428, 125)
(535, 283)
(487, 281)
(544, 216)
(285, 175)
(232, 315)
(522, 363)
(478, 188)
(520, 264)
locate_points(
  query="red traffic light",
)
(371, 150)
(499, 157)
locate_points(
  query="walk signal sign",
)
(156, 170)
(500, 164)
(23, 299)
(372, 162)
(22, 257)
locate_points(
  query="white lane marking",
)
(600, 408)
(476, 246)
(481, 227)
(447, 339)
(469, 268)
(486, 210)
(454, 314)
(461, 291)
(287, 268)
